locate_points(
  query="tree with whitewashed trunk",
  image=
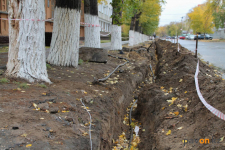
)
(92, 29)
(26, 56)
(64, 50)
(116, 40)
(131, 37)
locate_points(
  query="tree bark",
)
(92, 30)
(26, 56)
(64, 50)
(116, 40)
(131, 38)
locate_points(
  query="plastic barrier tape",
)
(209, 107)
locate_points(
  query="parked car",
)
(168, 37)
(182, 37)
(206, 37)
(174, 37)
(191, 37)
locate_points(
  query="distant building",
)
(218, 34)
(49, 9)
(104, 14)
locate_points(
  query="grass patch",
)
(4, 49)
(42, 85)
(213, 40)
(105, 41)
(4, 80)
(80, 62)
(23, 85)
(16, 82)
(48, 66)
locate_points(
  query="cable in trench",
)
(104, 79)
(130, 120)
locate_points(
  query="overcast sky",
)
(173, 10)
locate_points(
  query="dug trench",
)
(171, 114)
(168, 111)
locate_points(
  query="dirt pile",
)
(170, 111)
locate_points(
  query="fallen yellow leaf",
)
(85, 133)
(179, 105)
(163, 108)
(181, 80)
(180, 128)
(185, 92)
(28, 145)
(134, 144)
(65, 111)
(176, 113)
(185, 107)
(24, 135)
(169, 132)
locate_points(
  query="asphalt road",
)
(107, 45)
(213, 52)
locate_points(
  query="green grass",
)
(105, 41)
(80, 62)
(42, 85)
(4, 80)
(23, 85)
(16, 82)
(4, 49)
(48, 66)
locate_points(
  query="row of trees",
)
(27, 58)
(173, 29)
(201, 19)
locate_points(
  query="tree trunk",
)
(131, 38)
(92, 32)
(116, 40)
(26, 56)
(64, 49)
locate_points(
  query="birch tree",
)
(116, 41)
(64, 50)
(92, 31)
(26, 56)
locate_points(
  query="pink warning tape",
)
(209, 107)
(26, 19)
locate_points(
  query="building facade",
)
(49, 9)
(104, 14)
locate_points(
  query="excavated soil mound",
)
(183, 120)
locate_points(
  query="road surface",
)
(213, 52)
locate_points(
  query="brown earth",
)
(67, 124)
(195, 122)
(60, 121)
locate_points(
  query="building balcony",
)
(104, 17)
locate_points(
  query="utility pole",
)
(196, 50)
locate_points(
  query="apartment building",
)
(104, 14)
